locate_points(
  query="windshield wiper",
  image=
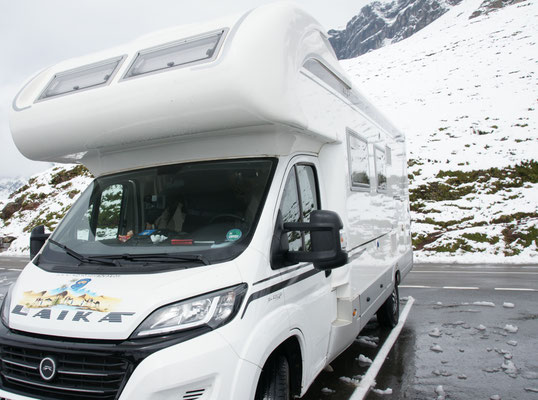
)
(82, 258)
(164, 257)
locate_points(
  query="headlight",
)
(5, 306)
(213, 309)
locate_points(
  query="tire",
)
(274, 381)
(389, 313)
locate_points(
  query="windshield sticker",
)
(72, 295)
(233, 235)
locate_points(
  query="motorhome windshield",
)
(175, 215)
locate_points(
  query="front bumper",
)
(194, 365)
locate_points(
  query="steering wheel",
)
(228, 216)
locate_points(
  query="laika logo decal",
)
(72, 295)
(72, 301)
(75, 316)
(47, 368)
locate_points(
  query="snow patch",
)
(511, 328)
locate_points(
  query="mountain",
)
(43, 199)
(464, 91)
(383, 22)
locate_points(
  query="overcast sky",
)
(37, 33)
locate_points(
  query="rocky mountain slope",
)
(43, 200)
(464, 91)
(383, 22)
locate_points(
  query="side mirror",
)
(324, 228)
(38, 237)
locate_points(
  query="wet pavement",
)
(456, 344)
(478, 341)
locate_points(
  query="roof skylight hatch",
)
(202, 48)
(82, 78)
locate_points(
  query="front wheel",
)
(389, 313)
(274, 381)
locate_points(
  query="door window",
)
(299, 199)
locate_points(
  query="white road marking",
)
(2, 268)
(416, 286)
(14, 269)
(369, 378)
(467, 288)
(477, 272)
(461, 287)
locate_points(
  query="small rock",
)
(462, 376)
(328, 368)
(512, 342)
(328, 391)
(495, 397)
(461, 350)
(533, 390)
(508, 305)
(481, 327)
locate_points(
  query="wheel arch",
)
(292, 349)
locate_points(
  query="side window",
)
(309, 192)
(300, 198)
(358, 162)
(380, 168)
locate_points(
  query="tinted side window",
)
(300, 198)
(289, 207)
(358, 162)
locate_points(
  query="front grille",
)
(79, 376)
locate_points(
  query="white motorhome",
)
(249, 216)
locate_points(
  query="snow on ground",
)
(464, 91)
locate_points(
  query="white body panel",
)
(255, 99)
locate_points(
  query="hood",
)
(106, 307)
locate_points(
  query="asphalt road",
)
(472, 334)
